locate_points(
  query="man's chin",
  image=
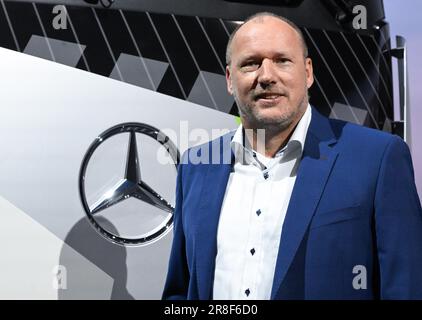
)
(269, 118)
(273, 115)
(280, 122)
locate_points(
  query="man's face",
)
(268, 74)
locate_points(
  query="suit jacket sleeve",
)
(176, 285)
(398, 224)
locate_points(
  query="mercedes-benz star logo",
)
(130, 185)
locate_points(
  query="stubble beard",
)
(271, 125)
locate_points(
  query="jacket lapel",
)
(317, 161)
(211, 200)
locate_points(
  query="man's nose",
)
(267, 73)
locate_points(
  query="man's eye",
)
(282, 60)
(250, 65)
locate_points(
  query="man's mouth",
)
(268, 96)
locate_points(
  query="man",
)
(326, 209)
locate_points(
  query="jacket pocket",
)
(336, 215)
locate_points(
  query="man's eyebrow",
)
(250, 57)
(259, 56)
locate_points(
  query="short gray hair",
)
(266, 14)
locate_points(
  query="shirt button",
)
(266, 175)
(258, 212)
(252, 251)
(247, 292)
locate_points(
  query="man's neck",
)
(268, 141)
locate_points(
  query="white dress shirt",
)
(254, 207)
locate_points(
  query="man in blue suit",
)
(292, 205)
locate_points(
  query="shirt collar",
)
(296, 141)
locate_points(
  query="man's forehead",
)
(260, 23)
(257, 29)
(253, 34)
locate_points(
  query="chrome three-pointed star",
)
(131, 185)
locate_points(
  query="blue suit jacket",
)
(354, 212)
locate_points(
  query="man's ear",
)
(229, 80)
(309, 72)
